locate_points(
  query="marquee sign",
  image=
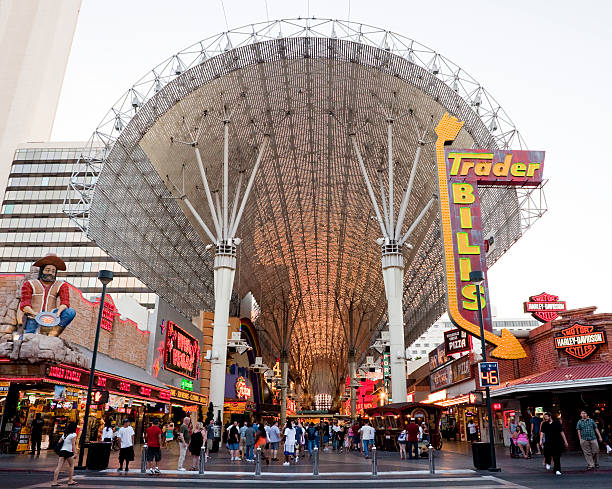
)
(544, 307)
(460, 171)
(243, 391)
(580, 340)
(457, 341)
(182, 352)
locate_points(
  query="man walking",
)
(210, 436)
(588, 434)
(153, 437)
(126, 453)
(412, 439)
(367, 437)
(36, 435)
(274, 435)
(551, 436)
(184, 440)
(535, 422)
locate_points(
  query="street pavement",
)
(454, 469)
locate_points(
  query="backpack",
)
(311, 433)
(58, 446)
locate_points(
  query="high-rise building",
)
(32, 223)
(35, 41)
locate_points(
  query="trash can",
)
(98, 455)
(481, 453)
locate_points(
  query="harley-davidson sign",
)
(580, 340)
(544, 307)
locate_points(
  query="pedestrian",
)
(412, 439)
(425, 432)
(242, 445)
(522, 442)
(126, 452)
(261, 440)
(184, 438)
(233, 440)
(274, 435)
(299, 439)
(36, 433)
(401, 441)
(367, 437)
(249, 439)
(313, 438)
(66, 454)
(196, 444)
(473, 431)
(169, 434)
(153, 438)
(336, 429)
(289, 442)
(551, 436)
(588, 434)
(535, 423)
(108, 432)
(210, 437)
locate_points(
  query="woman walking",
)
(169, 434)
(401, 440)
(261, 439)
(197, 441)
(66, 455)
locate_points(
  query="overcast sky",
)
(546, 62)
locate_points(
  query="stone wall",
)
(124, 341)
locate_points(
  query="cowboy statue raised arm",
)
(45, 302)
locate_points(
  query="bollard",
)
(143, 462)
(315, 465)
(202, 459)
(258, 462)
(432, 467)
(374, 461)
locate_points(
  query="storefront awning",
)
(576, 377)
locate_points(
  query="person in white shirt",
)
(66, 454)
(367, 437)
(289, 433)
(126, 453)
(108, 432)
(275, 438)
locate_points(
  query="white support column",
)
(225, 269)
(284, 386)
(352, 365)
(393, 275)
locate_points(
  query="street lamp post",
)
(104, 276)
(477, 277)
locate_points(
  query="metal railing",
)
(143, 461)
(258, 462)
(432, 464)
(315, 463)
(202, 465)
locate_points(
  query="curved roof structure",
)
(308, 249)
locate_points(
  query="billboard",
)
(457, 341)
(182, 352)
(460, 171)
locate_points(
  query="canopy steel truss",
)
(302, 87)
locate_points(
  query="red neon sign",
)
(164, 395)
(125, 386)
(101, 381)
(496, 406)
(64, 373)
(544, 307)
(182, 352)
(145, 391)
(243, 391)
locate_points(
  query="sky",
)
(546, 62)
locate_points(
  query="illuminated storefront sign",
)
(460, 171)
(544, 307)
(188, 396)
(437, 358)
(457, 341)
(243, 391)
(452, 373)
(187, 384)
(234, 407)
(580, 340)
(64, 373)
(182, 352)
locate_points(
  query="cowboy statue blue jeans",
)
(66, 317)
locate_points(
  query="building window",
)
(9, 208)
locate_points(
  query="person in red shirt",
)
(153, 436)
(412, 439)
(46, 295)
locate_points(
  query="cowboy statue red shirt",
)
(45, 301)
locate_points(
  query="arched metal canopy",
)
(308, 238)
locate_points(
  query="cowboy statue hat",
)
(51, 259)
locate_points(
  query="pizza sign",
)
(580, 340)
(544, 307)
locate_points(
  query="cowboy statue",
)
(46, 302)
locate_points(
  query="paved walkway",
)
(455, 458)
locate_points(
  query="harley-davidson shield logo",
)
(580, 340)
(544, 307)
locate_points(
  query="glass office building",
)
(32, 223)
